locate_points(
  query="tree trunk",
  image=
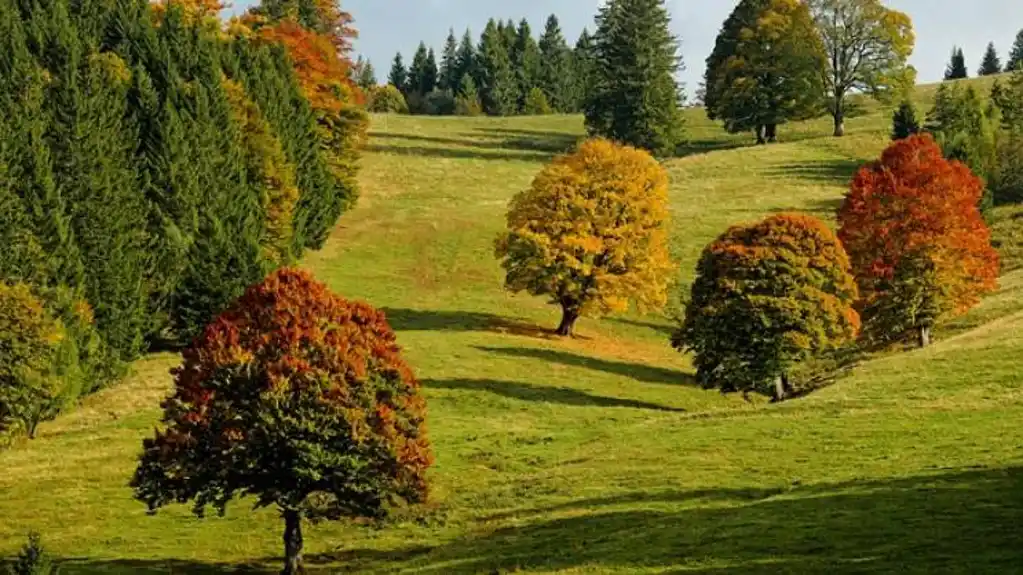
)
(569, 315)
(771, 133)
(292, 543)
(760, 135)
(782, 388)
(924, 332)
(839, 123)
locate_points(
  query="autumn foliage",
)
(766, 297)
(590, 233)
(298, 398)
(919, 247)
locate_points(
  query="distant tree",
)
(767, 296)
(388, 100)
(904, 121)
(399, 75)
(635, 98)
(466, 62)
(584, 69)
(964, 128)
(956, 68)
(556, 75)
(418, 74)
(867, 47)
(430, 73)
(536, 103)
(467, 102)
(498, 89)
(297, 398)
(1015, 61)
(991, 64)
(591, 233)
(765, 68)
(525, 61)
(365, 75)
(449, 76)
(919, 247)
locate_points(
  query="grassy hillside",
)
(598, 454)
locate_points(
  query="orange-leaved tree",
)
(919, 247)
(590, 233)
(297, 398)
(767, 296)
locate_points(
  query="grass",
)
(597, 454)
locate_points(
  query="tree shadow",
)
(474, 153)
(435, 320)
(663, 328)
(824, 208)
(533, 140)
(542, 394)
(637, 371)
(839, 172)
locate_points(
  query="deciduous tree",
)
(591, 233)
(767, 296)
(919, 247)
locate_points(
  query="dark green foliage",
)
(422, 74)
(388, 100)
(525, 60)
(991, 64)
(584, 66)
(536, 103)
(635, 98)
(964, 128)
(904, 121)
(467, 103)
(465, 65)
(430, 73)
(556, 75)
(365, 75)
(956, 68)
(1015, 61)
(448, 76)
(498, 87)
(398, 76)
(32, 559)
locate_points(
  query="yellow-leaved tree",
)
(590, 233)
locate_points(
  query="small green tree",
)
(467, 103)
(448, 77)
(991, 64)
(904, 121)
(399, 75)
(525, 61)
(956, 68)
(466, 63)
(365, 75)
(1015, 61)
(536, 103)
(33, 559)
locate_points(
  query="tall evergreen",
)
(904, 121)
(509, 34)
(430, 73)
(956, 68)
(498, 90)
(398, 77)
(417, 72)
(448, 77)
(635, 98)
(584, 69)
(991, 64)
(525, 61)
(465, 65)
(1015, 61)
(556, 75)
(365, 75)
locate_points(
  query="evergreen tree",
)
(584, 66)
(525, 61)
(467, 103)
(498, 80)
(430, 74)
(992, 64)
(1015, 61)
(904, 121)
(399, 75)
(635, 98)
(465, 65)
(956, 68)
(449, 76)
(510, 35)
(417, 72)
(365, 75)
(556, 74)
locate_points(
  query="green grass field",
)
(597, 454)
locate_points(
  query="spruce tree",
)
(430, 73)
(509, 34)
(956, 68)
(525, 61)
(498, 91)
(1015, 61)
(417, 72)
(635, 98)
(398, 76)
(366, 76)
(448, 77)
(904, 121)
(556, 74)
(466, 62)
(991, 64)
(584, 65)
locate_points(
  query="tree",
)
(867, 47)
(591, 233)
(767, 296)
(388, 100)
(956, 68)
(635, 98)
(365, 75)
(556, 75)
(765, 68)
(919, 247)
(398, 76)
(904, 121)
(417, 72)
(525, 61)
(965, 129)
(430, 74)
(584, 66)
(1015, 61)
(498, 89)
(991, 64)
(449, 76)
(297, 398)
(466, 62)
(467, 103)
(536, 103)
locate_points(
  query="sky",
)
(389, 26)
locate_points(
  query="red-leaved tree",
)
(919, 247)
(297, 398)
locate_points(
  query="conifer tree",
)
(399, 75)
(448, 77)
(904, 121)
(991, 64)
(525, 61)
(510, 35)
(1015, 61)
(417, 72)
(498, 80)
(556, 74)
(584, 65)
(366, 76)
(635, 98)
(430, 73)
(956, 68)
(466, 62)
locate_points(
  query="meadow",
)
(596, 454)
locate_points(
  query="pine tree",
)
(498, 86)
(635, 98)
(992, 64)
(365, 75)
(399, 75)
(525, 61)
(510, 35)
(449, 77)
(417, 72)
(1015, 61)
(556, 74)
(466, 62)
(430, 73)
(584, 65)
(957, 66)
(904, 121)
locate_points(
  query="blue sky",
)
(387, 26)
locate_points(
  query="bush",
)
(767, 297)
(440, 103)
(904, 121)
(33, 559)
(299, 398)
(468, 107)
(591, 233)
(388, 100)
(536, 103)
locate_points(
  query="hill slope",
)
(598, 454)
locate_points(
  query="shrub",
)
(33, 559)
(590, 233)
(536, 103)
(468, 107)
(918, 245)
(904, 121)
(767, 296)
(388, 100)
(298, 398)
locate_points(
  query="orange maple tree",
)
(919, 247)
